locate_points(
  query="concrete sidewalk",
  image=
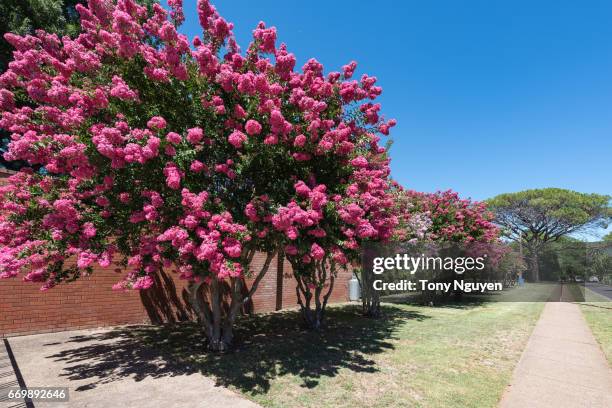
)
(562, 365)
(9, 379)
(43, 362)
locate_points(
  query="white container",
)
(354, 289)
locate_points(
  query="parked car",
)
(593, 279)
(579, 279)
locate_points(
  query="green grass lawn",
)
(597, 311)
(418, 356)
(415, 356)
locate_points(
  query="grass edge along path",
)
(597, 311)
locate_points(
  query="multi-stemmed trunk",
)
(370, 298)
(208, 300)
(312, 295)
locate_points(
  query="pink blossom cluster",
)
(452, 218)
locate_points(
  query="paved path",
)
(562, 365)
(42, 361)
(10, 378)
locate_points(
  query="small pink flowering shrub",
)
(453, 219)
(161, 152)
(441, 217)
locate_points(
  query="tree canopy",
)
(535, 217)
(25, 17)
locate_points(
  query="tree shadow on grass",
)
(269, 346)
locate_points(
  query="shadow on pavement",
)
(269, 346)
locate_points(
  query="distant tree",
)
(608, 238)
(536, 217)
(565, 257)
(599, 258)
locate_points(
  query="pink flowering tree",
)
(160, 153)
(453, 219)
(326, 227)
(412, 226)
(440, 218)
(459, 221)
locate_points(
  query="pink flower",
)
(239, 112)
(300, 141)
(124, 198)
(195, 135)
(349, 69)
(302, 189)
(360, 162)
(173, 176)
(299, 156)
(236, 138)
(291, 250)
(89, 231)
(271, 139)
(232, 247)
(266, 37)
(121, 90)
(317, 252)
(174, 138)
(156, 122)
(251, 212)
(102, 201)
(85, 259)
(197, 166)
(253, 127)
(142, 283)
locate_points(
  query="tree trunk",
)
(314, 318)
(534, 266)
(218, 331)
(218, 322)
(370, 298)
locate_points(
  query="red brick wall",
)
(90, 301)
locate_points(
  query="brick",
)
(90, 302)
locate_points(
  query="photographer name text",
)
(423, 285)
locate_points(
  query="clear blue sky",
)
(490, 96)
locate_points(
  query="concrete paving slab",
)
(40, 361)
(9, 379)
(562, 365)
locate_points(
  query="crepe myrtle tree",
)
(441, 217)
(536, 217)
(454, 219)
(445, 219)
(326, 226)
(412, 226)
(161, 155)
